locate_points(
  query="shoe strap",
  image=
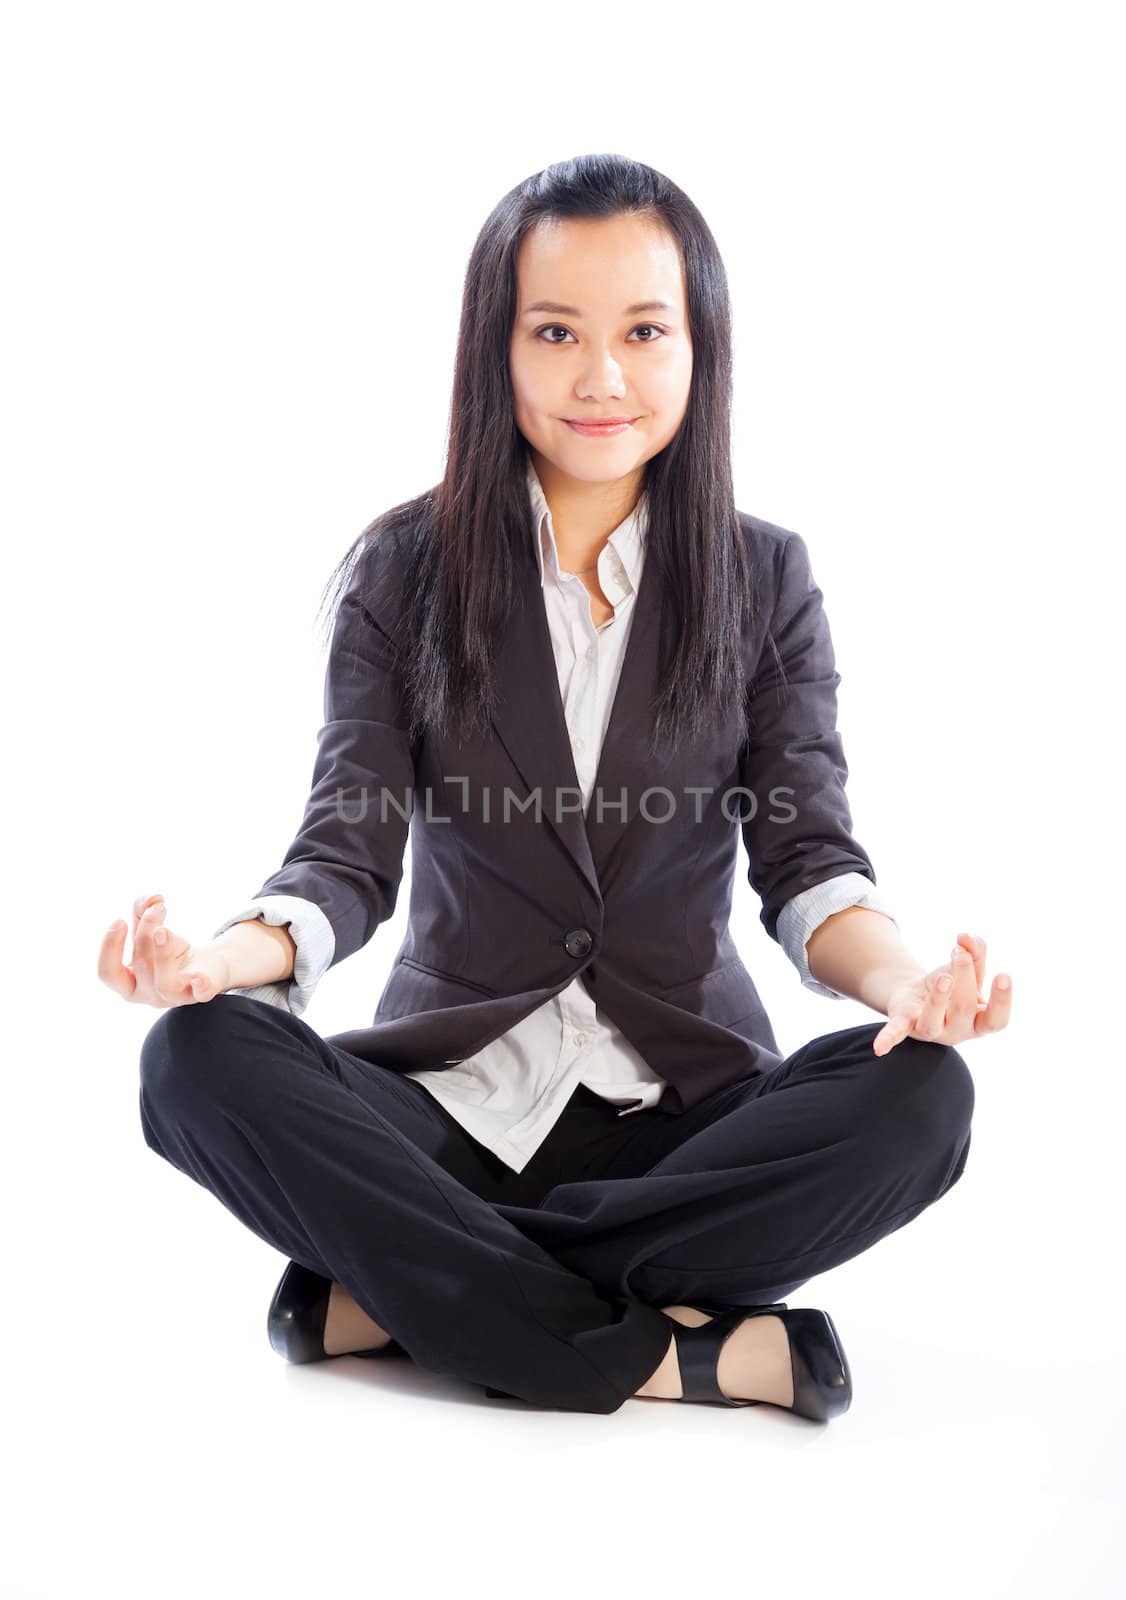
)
(698, 1350)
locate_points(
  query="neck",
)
(584, 515)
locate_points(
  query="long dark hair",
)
(462, 533)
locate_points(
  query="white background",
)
(236, 242)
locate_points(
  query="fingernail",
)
(944, 983)
(1002, 983)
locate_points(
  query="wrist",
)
(254, 953)
(876, 986)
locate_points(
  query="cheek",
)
(530, 409)
(530, 391)
(667, 392)
(678, 374)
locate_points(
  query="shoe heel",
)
(391, 1348)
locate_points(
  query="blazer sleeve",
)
(347, 856)
(797, 826)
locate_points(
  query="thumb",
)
(894, 1030)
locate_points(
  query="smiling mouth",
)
(599, 430)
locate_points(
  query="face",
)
(591, 341)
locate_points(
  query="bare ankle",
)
(348, 1327)
(665, 1383)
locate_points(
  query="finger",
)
(141, 905)
(976, 947)
(999, 1007)
(199, 986)
(111, 966)
(894, 1030)
(168, 980)
(144, 950)
(962, 1000)
(932, 1017)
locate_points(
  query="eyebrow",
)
(573, 311)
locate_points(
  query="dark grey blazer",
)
(512, 896)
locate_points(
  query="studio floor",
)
(160, 1447)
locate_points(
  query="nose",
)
(602, 378)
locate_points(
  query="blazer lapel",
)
(530, 721)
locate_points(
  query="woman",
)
(567, 1161)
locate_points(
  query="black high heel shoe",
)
(822, 1381)
(297, 1316)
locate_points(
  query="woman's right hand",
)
(166, 970)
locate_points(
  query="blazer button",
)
(578, 942)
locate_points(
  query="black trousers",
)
(547, 1284)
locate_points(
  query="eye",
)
(549, 327)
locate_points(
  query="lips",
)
(595, 428)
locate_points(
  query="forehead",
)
(599, 263)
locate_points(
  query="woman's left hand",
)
(946, 1005)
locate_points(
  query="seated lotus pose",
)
(566, 1160)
